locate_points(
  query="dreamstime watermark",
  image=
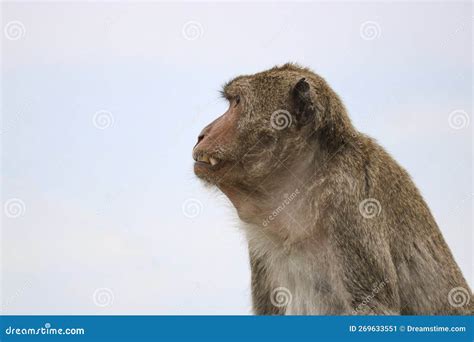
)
(288, 199)
(14, 208)
(11, 122)
(103, 297)
(280, 119)
(458, 297)
(103, 119)
(192, 30)
(370, 208)
(370, 30)
(281, 297)
(46, 330)
(109, 200)
(458, 119)
(283, 28)
(8, 125)
(376, 289)
(192, 208)
(455, 33)
(17, 294)
(14, 30)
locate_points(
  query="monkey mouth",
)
(205, 162)
(205, 159)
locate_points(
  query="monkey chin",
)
(218, 176)
(211, 174)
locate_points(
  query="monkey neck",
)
(283, 202)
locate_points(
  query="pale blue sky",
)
(103, 208)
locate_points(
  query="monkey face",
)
(269, 119)
(214, 152)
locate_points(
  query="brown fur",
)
(299, 191)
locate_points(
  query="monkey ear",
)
(305, 108)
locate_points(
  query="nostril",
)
(200, 137)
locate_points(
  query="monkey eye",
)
(237, 100)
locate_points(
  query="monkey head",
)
(267, 133)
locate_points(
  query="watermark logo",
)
(14, 208)
(280, 119)
(103, 297)
(370, 208)
(192, 208)
(14, 30)
(458, 119)
(281, 297)
(458, 297)
(370, 30)
(103, 119)
(192, 30)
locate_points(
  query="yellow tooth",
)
(213, 161)
(204, 158)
